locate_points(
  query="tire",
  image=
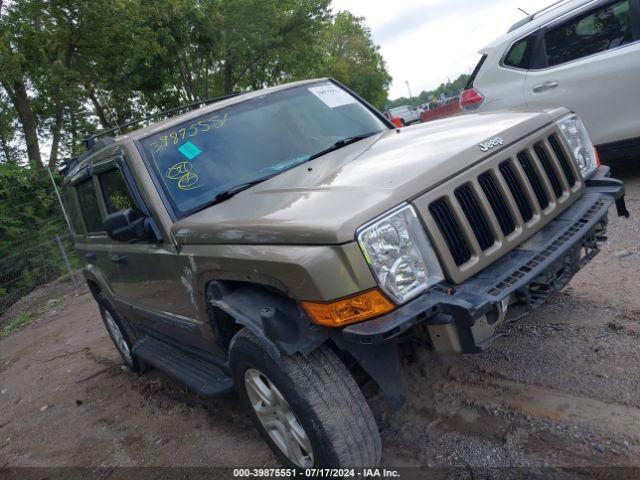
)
(123, 344)
(323, 397)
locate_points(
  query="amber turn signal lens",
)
(346, 311)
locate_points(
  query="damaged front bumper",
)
(463, 318)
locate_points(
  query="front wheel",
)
(119, 337)
(309, 409)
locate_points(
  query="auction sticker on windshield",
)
(331, 95)
(189, 150)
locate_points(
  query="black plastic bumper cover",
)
(568, 239)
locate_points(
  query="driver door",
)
(153, 282)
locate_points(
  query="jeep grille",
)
(496, 205)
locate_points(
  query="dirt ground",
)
(561, 388)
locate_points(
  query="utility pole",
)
(408, 88)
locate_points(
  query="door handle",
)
(122, 260)
(543, 87)
(90, 256)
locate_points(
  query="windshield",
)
(263, 136)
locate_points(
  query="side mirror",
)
(126, 226)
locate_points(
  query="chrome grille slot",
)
(517, 191)
(475, 216)
(562, 160)
(497, 202)
(494, 205)
(542, 155)
(534, 179)
(450, 229)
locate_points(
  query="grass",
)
(25, 318)
(20, 321)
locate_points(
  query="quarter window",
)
(596, 31)
(521, 52)
(89, 206)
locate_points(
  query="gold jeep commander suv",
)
(287, 241)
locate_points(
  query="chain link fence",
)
(44, 255)
(40, 263)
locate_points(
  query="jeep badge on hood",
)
(494, 142)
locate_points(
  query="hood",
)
(325, 201)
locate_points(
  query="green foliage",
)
(20, 321)
(81, 66)
(448, 89)
(349, 55)
(30, 217)
(70, 68)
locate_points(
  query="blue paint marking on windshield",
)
(189, 150)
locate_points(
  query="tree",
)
(349, 55)
(72, 67)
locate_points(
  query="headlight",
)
(400, 254)
(576, 135)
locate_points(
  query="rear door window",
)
(598, 30)
(71, 207)
(89, 206)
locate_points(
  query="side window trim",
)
(573, 15)
(539, 58)
(634, 6)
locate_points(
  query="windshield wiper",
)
(342, 143)
(230, 192)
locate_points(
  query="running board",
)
(199, 375)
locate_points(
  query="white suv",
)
(581, 54)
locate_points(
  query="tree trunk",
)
(186, 82)
(228, 77)
(74, 132)
(6, 149)
(100, 111)
(55, 137)
(18, 95)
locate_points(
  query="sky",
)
(427, 42)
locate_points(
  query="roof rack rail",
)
(90, 142)
(531, 17)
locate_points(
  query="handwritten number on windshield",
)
(201, 126)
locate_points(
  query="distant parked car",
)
(581, 54)
(407, 113)
(449, 107)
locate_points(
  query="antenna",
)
(532, 16)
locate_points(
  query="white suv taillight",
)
(470, 99)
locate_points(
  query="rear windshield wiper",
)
(342, 143)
